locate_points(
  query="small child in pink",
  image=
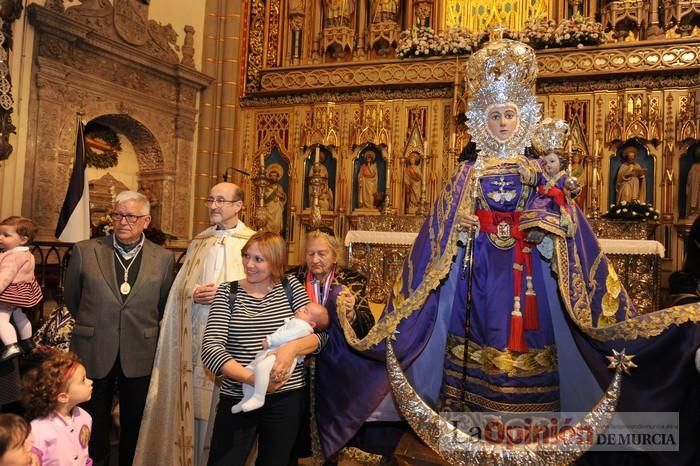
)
(18, 287)
(51, 394)
(306, 319)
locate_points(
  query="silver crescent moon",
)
(459, 448)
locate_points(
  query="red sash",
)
(504, 225)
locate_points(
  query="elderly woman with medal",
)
(481, 319)
(344, 293)
(329, 282)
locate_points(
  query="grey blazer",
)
(104, 325)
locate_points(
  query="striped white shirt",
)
(238, 334)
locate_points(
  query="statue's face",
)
(502, 121)
(552, 164)
(629, 154)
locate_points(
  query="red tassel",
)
(516, 341)
(531, 319)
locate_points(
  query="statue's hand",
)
(535, 235)
(575, 192)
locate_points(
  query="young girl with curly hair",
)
(52, 392)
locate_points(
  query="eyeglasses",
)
(219, 201)
(130, 219)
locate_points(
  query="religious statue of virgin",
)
(481, 319)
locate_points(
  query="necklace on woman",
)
(260, 289)
(124, 288)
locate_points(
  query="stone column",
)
(654, 30)
(218, 139)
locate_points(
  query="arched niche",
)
(329, 166)
(643, 158)
(276, 196)
(369, 160)
(689, 182)
(150, 176)
(150, 98)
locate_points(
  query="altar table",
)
(379, 256)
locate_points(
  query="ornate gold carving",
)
(386, 223)
(641, 277)
(478, 15)
(680, 79)
(634, 115)
(676, 10)
(422, 10)
(622, 59)
(688, 121)
(356, 95)
(552, 64)
(273, 33)
(321, 126)
(384, 26)
(373, 128)
(360, 75)
(338, 41)
(255, 46)
(272, 125)
(621, 15)
(620, 229)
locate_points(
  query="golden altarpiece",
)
(339, 131)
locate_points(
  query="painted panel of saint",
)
(412, 179)
(689, 183)
(328, 166)
(277, 171)
(578, 170)
(632, 174)
(369, 179)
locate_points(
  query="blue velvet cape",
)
(582, 304)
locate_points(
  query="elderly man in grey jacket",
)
(116, 287)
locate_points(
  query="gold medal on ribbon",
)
(125, 288)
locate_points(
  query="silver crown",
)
(550, 136)
(502, 72)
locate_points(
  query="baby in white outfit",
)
(306, 319)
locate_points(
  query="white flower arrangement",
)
(634, 210)
(576, 31)
(422, 41)
(418, 41)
